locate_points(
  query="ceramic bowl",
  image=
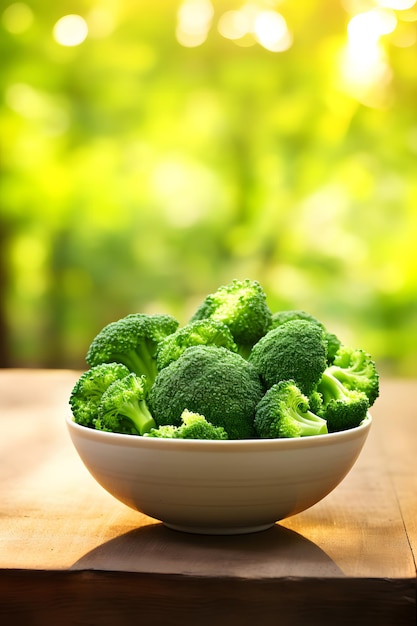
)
(218, 487)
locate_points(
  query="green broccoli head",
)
(200, 332)
(133, 341)
(166, 431)
(86, 394)
(284, 412)
(356, 369)
(296, 350)
(333, 345)
(342, 408)
(242, 306)
(123, 407)
(193, 426)
(211, 381)
(281, 317)
(333, 342)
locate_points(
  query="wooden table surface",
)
(72, 554)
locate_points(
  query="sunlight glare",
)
(365, 75)
(234, 25)
(365, 29)
(365, 71)
(70, 30)
(193, 22)
(272, 32)
(396, 5)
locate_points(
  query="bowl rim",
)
(214, 445)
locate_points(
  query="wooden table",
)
(71, 554)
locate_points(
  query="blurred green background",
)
(152, 151)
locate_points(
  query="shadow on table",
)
(272, 553)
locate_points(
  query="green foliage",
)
(138, 172)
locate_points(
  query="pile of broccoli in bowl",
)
(236, 370)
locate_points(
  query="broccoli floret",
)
(342, 408)
(123, 407)
(87, 391)
(285, 412)
(166, 431)
(296, 350)
(212, 381)
(242, 306)
(200, 332)
(194, 426)
(315, 401)
(133, 341)
(280, 317)
(356, 369)
(333, 342)
(333, 345)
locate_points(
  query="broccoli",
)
(242, 306)
(194, 426)
(333, 342)
(133, 341)
(284, 412)
(356, 369)
(280, 317)
(212, 381)
(123, 407)
(87, 391)
(204, 332)
(235, 370)
(315, 401)
(342, 408)
(296, 350)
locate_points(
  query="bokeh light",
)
(17, 17)
(272, 32)
(70, 30)
(189, 142)
(194, 22)
(397, 5)
(365, 70)
(234, 24)
(252, 23)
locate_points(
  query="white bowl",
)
(218, 487)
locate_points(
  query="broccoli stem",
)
(138, 412)
(331, 388)
(140, 365)
(344, 375)
(310, 423)
(244, 350)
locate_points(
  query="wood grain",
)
(70, 552)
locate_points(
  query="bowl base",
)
(213, 530)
